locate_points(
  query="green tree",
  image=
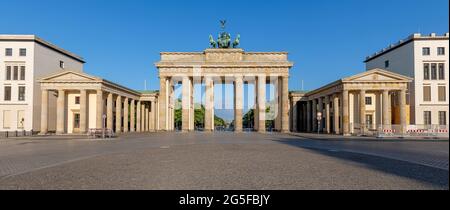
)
(199, 117)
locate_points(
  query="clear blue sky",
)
(121, 40)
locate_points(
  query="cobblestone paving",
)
(221, 161)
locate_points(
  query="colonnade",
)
(336, 108)
(166, 102)
(112, 111)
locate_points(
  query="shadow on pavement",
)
(434, 176)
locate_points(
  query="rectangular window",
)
(21, 93)
(22, 72)
(427, 117)
(426, 51)
(61, 64)
(22, 52)
(76, 120)
(7, 96)
(6, 119)
(441, 71)
(8, 52)
(16, 73)
(441, 51)
(77, 99)
(441, 93)
(369, 120)
(426, 71)
(368, 100)
(8, 73)
(442, 118)
(427, 93)
(20, 119)
(386, 64)
(433, 71)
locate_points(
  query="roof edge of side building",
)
(27, 37)
(413, 37)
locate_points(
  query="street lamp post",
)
(319, 119)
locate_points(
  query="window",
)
(22, 52)
(77, 99)
(386, 64)
(76, 120)
(426, 51)
(61, 64)
(369, 120)
(426, 71)
(8, 52)
(441, 51)
(16, 73)
(442, 118)
(8, 73)
(368, 100)
(6, 119)
(427, 117)
(426, 93)
(21, 93)
(441, 71)
(441, 93)
(20, 119)
(7, 96)
(433, 71)
(22, 73)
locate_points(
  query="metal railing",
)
(16, 133)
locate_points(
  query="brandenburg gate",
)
(223, 62)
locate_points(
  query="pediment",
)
(70, 76)
(377, 75)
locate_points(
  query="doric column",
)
(319, 109)
(262, 103)
(44, 112)
(186, 104)
(314, 115)
(386, 116)
(402, 104)
(60, 111)
(83, 111)
(138, 116)
(256, 111)
(336, 113)
(147, 119)
(285, 103)
(305, 116)
(308, 116)
(294, 115)
(143, 117)
(238, 103)
(109, 111)
(133, 115)
(152, 115)
(118, 114)
(99, 110)
(345, 114)
(192, 108)
(327, 114)
(362, 110)
(162, 101)
(209, 104)
(125, 115)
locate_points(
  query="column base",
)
(286, 131)
(42, 133)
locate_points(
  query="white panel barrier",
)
(440, 131)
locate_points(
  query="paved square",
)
(221, 161)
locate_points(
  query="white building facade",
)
(425, 59)
(23, 60)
